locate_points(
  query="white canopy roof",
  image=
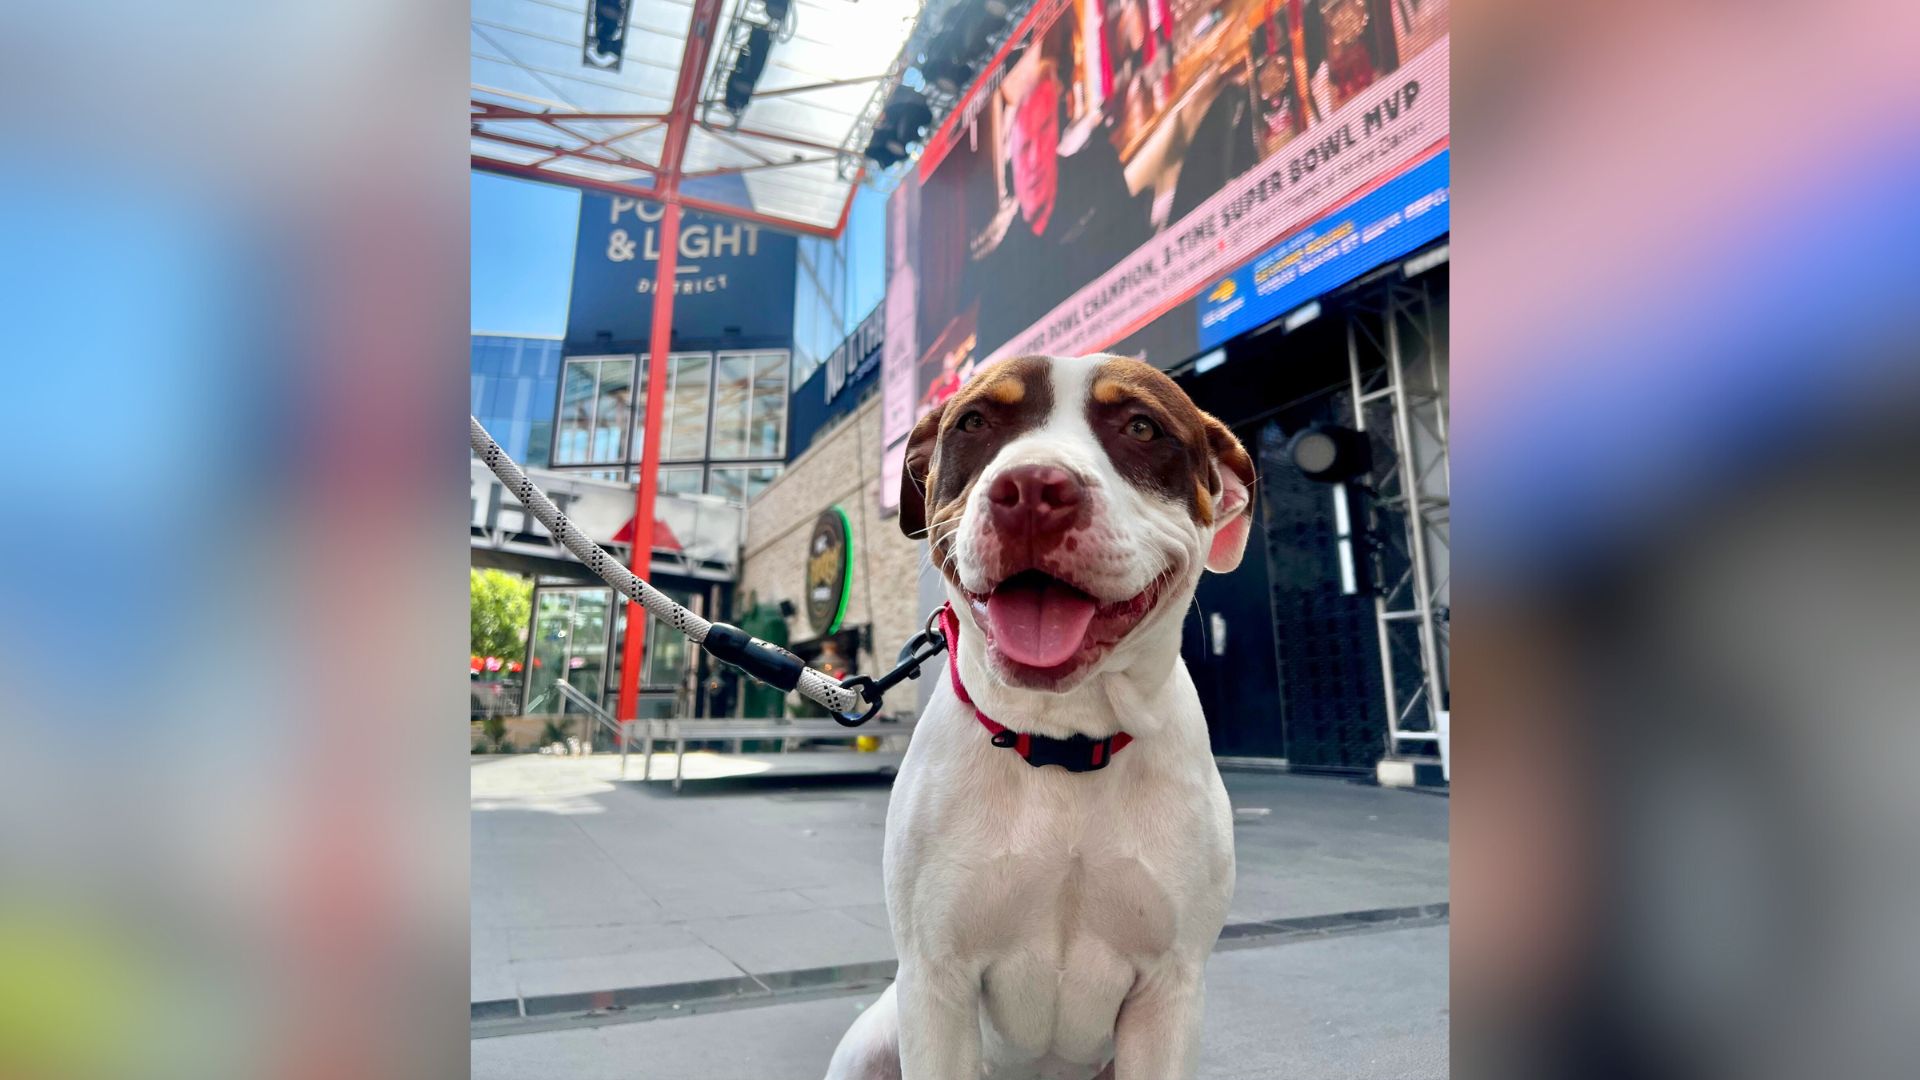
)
(538, 109)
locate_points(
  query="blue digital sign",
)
(1388, 222)
(734, 280)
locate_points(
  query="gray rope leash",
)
(768, 663)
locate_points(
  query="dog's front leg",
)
(939, 1021)
(1157, 1034)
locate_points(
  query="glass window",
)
(569, 640)
(595, 412)
(575, 421)
(865, 243)
(587, 661)
(767, 431)
(539, 442)
(501, 392)
(636, 444)
(615, 413)
(732, 397)
(838, 281)
(552, 625)
(740, 484)
(688, 380)
(675, 479)
(668, 658)
(750, 405)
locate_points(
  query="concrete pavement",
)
(583, 885)
(1366, 1007)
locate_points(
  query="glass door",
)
(666, 684)
(570, 625)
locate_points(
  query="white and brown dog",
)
(1054, 899)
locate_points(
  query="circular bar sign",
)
(829, 570)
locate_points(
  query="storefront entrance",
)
(578, 634)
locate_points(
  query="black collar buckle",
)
(1076, 753)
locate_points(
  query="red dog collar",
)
(1077, 753)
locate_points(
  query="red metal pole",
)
(658, 346)
(693, 63)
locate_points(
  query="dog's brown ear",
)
(1233, 507)
(915, 470)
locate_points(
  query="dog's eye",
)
(1142, 429)
(971, 422)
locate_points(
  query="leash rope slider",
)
(759, 660)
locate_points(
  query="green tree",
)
(498, 604)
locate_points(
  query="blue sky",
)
(522, 261)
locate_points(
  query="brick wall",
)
(842, 466)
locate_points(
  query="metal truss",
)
(853, 162)
(748, 15)
(1398, 365)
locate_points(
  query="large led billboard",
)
(1121, 157)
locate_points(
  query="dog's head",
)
(1071, 504)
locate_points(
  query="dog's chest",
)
(1061, 890)
(1004, 856)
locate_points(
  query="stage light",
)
(947, 74)
(905, 121)
(976, 37)
(1330, 453)
(606, 38)
(747, 68)
(777, 9)
(945, 64)
(878, 153)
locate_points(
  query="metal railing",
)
(601, 716)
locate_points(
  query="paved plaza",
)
(734, 930)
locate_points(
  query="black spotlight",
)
(945, 63)
(606, 37)
(1330, 453)
(976, 37)
(904, 121)
(777, 9)
(747, 68)
(878, 153)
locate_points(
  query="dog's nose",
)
(1036, 499)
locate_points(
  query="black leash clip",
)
(919, 649)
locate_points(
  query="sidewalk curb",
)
(516, 1016)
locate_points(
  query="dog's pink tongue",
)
(1039, 625)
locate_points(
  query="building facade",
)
(515, 382)
(826, 505)
(728, 368)
(882, 609)
(723, 424)
(574, 411)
